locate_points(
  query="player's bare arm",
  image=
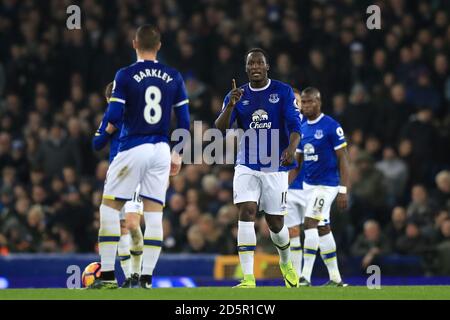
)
(342, 157)
(223, 121)
(294, 172)
(288, 155)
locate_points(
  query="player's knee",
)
(324, 230)
(133, 221)
(294, 232)
(247, 212)
(275, 223)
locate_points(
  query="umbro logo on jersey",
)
(274, 98)
(245, 102)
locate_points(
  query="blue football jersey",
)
(102, 138)
(144, 94)
(320, 139)
(265, 109)
(298, 181)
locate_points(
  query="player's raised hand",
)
(235, 94)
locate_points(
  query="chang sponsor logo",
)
(260, 120)
(309, 151)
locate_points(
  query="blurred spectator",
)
(56, 152)
(396, 227)
(441, 196)
(422, 135)
(423, 94)
(433, 231)
(392, 113)
(412, 242)
(227, 218)
(442, 261)
(196, 242)
(209, 229)
(170, 243)
(395, 174)
(368, 191)
(371, 244)
(359, 113)
(421, 209)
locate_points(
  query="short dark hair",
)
(148, 37)
(260, 50)
(312, 91)
(108, 90)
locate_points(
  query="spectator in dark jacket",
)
(412, 242)
(396, 227)
(371, 244)
(56, 152)
(368, 191)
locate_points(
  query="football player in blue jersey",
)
(263, 107)
(131, 239)
(296, 202)
(143, 97)
(325, 167)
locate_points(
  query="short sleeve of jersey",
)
(291, 112)
(181, 96)
(337, 136)
(233, 113)
(118, 91)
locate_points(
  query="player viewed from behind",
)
(143, 96)
(296, 201)
(324, 165)
(131, 240)
(262, 105)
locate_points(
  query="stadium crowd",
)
(389, 88)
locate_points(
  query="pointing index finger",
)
(233, 84)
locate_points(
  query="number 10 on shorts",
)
(284, 198)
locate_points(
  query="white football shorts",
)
(296, 205)
(148, 165)
(319, 201)
(135, 205)
(267, 189)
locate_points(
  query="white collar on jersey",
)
(142, 60)
(316, 120)
(260, 89)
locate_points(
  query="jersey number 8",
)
(152, 103)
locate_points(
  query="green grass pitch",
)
(221, 293)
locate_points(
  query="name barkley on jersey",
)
(154, 73)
